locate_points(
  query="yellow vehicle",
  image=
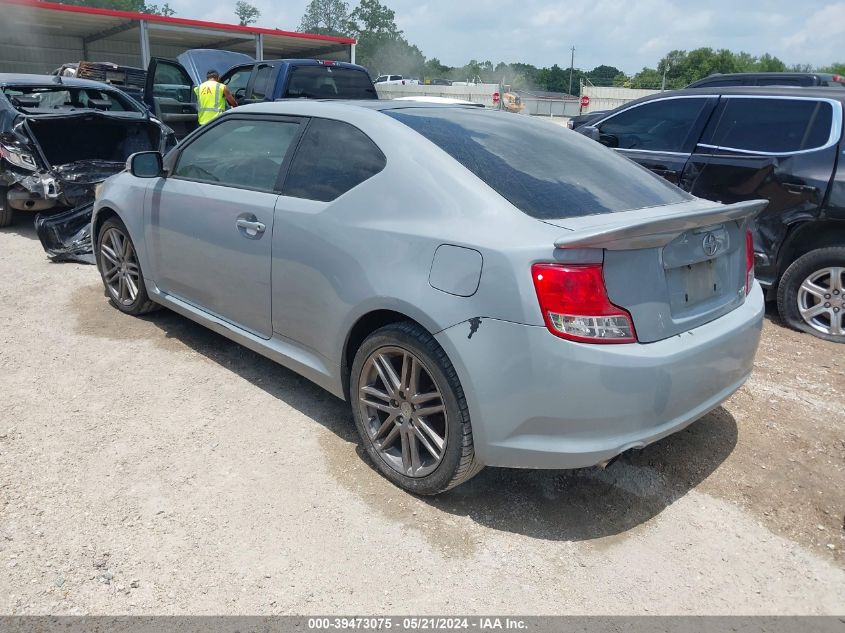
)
(512, 103)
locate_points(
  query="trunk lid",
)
(672, 268)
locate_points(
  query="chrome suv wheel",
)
(810, 293)
(820, 300)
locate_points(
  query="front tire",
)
(410, 411)
(120, 269)
(811, 294)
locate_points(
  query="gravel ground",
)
(149, 466)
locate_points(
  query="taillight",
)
(749, 262)
(575, 305)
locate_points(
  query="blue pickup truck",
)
(169, 90)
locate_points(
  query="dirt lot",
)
(150, 466)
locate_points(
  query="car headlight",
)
(18, 158)
(97, 189)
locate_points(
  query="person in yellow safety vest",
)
(212, 97)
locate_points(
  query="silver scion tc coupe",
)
(484, 289)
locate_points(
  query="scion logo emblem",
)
(710, 244)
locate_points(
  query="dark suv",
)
(718, 80)
(733, 144)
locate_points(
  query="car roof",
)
(7, 79)
(765, 74)
(303, 61)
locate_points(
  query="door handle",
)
(672, 175)
(250, 225)
(799, 189)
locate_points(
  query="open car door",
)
(169, 93)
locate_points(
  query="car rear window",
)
(546, 171)
(329, 82)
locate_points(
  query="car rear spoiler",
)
(649, 231)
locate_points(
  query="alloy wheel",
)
(821, 302)
(119, 264)
(403, 411)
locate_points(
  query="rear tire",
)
(6, 212)
(120, 269)
(810, 294)
(410, 411)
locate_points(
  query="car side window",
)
(658, 125)
(332, 158)
(769, 125)
(172, 82)
(261, 86)
(238, 80)
(241, 153)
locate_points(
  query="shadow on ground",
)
(559, 505)
(773, 315)
(583, 504)
(23, 224)
(592, 503)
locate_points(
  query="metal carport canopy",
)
(150, 31)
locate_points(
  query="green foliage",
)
(682, 68)
(555, 79)
(647, 78)
(246, 13)
(326, 17)
(836, 69)
(381, 47)
(371, 17)
(433, 69)
(770, 64)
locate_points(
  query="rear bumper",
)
(537, 401)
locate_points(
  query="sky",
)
(628, 34)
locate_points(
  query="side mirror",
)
(591, 131)
(145, 164)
